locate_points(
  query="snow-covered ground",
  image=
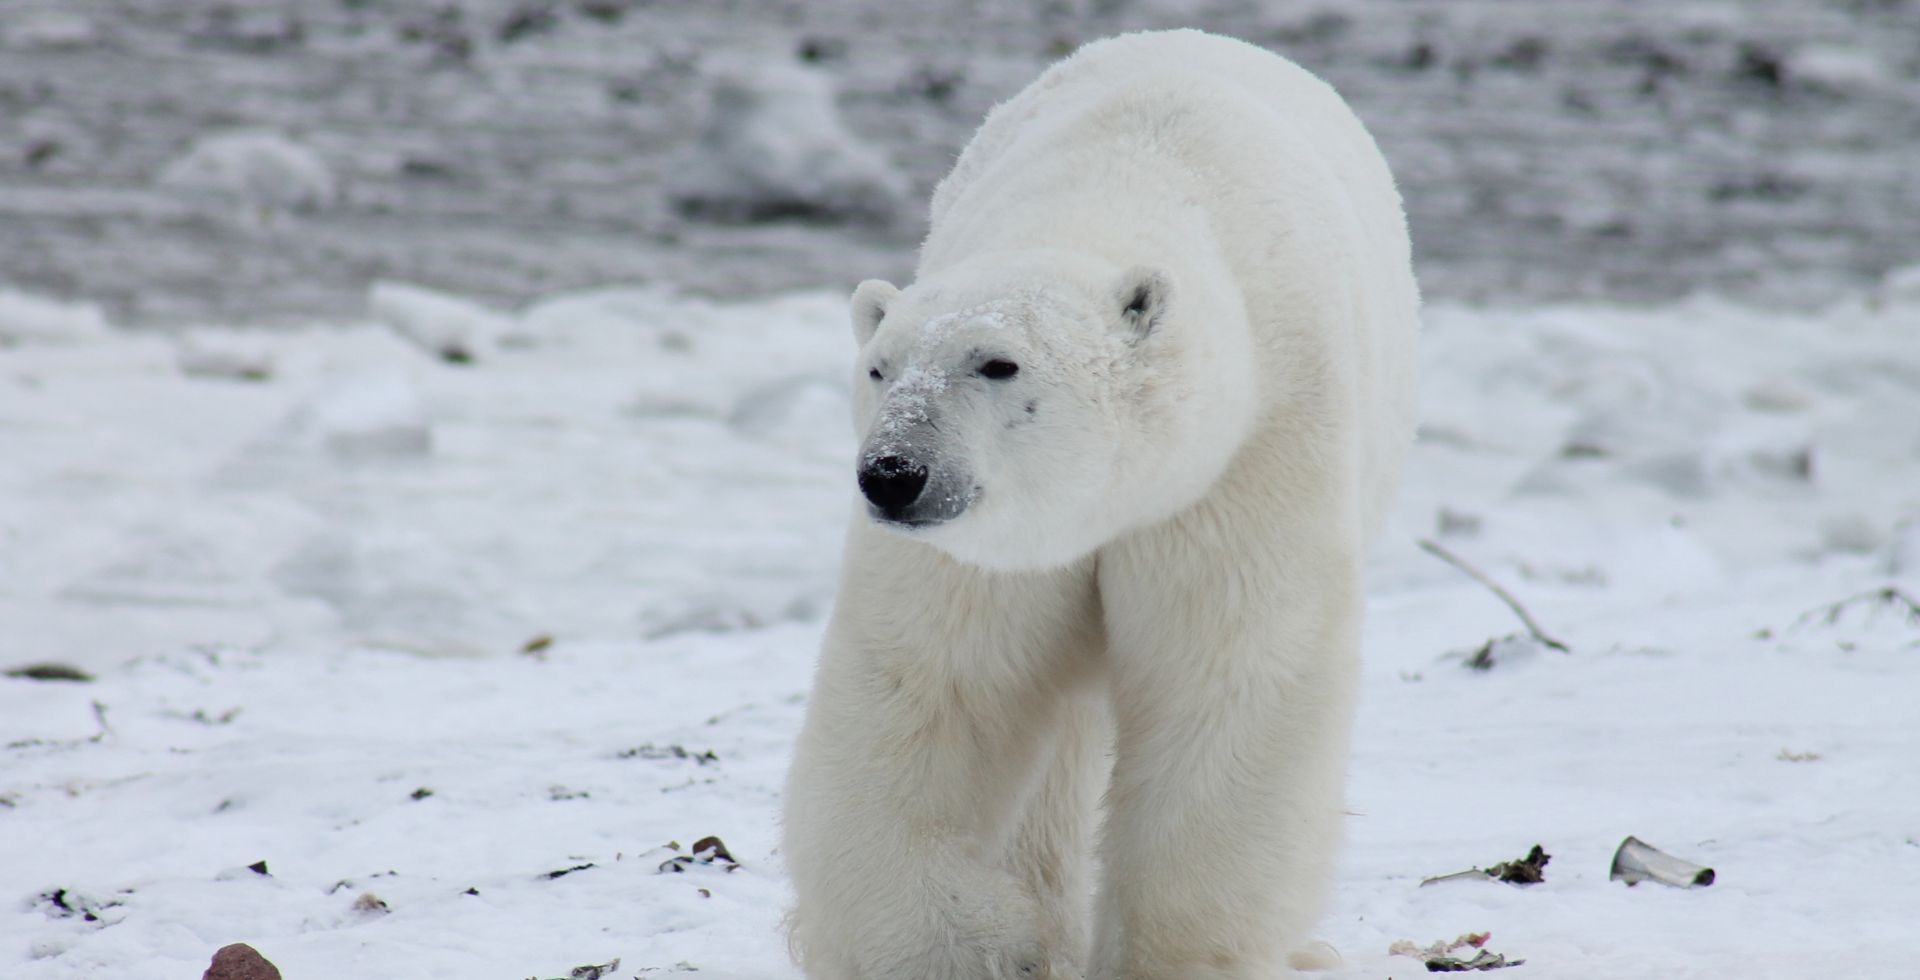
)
(303, 565)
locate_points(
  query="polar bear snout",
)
(907, 494)
(892, 484)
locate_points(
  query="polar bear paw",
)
(1314, 956)
(978, 927)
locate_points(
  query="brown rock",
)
(240, 962)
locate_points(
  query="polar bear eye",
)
(874, 373)
(997, 370)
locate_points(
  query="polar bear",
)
(1125, 439)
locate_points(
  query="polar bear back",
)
(1196, 152)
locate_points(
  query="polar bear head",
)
(1020, 410)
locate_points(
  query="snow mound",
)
(1840, 68)
(788, 409)
(452, 328)
(1903, 552)
(1900, 289)
(237, 355)
(56, 30)
(28, 319)
(370, 417)
(258, 168)
(774, 146)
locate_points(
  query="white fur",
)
(1149, 583)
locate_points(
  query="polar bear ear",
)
(869, 303)
(1142, 297)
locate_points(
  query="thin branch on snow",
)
(100, 718)
(1889, 596)
(1433, 548)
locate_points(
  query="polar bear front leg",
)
(1052, 849)
(940, 693)
(1234, 664)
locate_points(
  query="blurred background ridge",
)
(211, 159)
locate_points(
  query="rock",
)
(240, 962)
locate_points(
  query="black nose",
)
(892, 482)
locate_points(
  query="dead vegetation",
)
(1500, 648)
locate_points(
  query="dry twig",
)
(1888, 596)
(1433, 548)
